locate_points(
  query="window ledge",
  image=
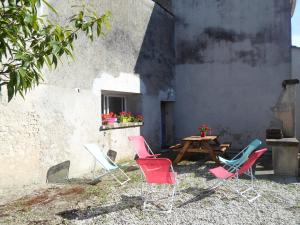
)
(121, 125)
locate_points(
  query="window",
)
(112, 103)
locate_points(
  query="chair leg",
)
(118, 180)
(153, 190)
(127, 177)
(248, 189)
(172, 198)
(215, 186)
(94, 168)
(98, 177)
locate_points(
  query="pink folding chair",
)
(224, 175)
(158, 173)
(141, 147)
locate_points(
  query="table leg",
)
(212, 153)
(182, 152)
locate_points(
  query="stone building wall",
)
(56, 118)
(231, 57)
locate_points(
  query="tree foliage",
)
(28, 41)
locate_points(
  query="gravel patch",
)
(79, 203)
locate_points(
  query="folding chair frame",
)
(249, 172)
(109, 171)
(238, 191)
(147, 200)
(148, 148)
(239, 154)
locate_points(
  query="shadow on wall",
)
(155, 65)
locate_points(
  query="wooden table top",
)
(199, 138)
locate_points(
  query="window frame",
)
(105, 99)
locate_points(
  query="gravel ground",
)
(79, 203)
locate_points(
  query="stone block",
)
(285, 156)
(58, 173)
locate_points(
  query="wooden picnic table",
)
(205, 144)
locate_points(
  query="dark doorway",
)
(167, 126)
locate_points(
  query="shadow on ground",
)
(199, 194)
(126, 202)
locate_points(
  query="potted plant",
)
(204, 129)
(138, 119)
(125, 117)
(109, 118)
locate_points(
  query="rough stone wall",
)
(58, 117)
(231, 57)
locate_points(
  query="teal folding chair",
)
(242, 156)
(108, 165)
(224, 175)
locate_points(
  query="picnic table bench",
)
(198, 144)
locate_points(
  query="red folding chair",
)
(141, 147)
(158, 173)
(224, 175)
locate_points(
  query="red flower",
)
(123, 113)
(139, 118)
(108, 115)
(204, 128)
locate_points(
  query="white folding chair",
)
(108, 165)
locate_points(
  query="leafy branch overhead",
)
(28, 41)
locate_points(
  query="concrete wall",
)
(231, 57)
(58, 117)
(296, 75)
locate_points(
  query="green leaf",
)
(99, 27)
(29, 40)
(54, 61)
(22, 72)
(80, 15)
(50, 6)
(48, 60)
(10, 91)
(21, 93)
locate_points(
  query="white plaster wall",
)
(59, 116)
(231, 57)
(47, 128)
(125, 82)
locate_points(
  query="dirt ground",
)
(42, 204)
(80, 202)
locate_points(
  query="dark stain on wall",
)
(191, 52)
(197, 51)
(221, 34)
(250, 57)
(264, 35)
(181, 22)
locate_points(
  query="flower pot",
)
(202, 133)
(111, 120)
